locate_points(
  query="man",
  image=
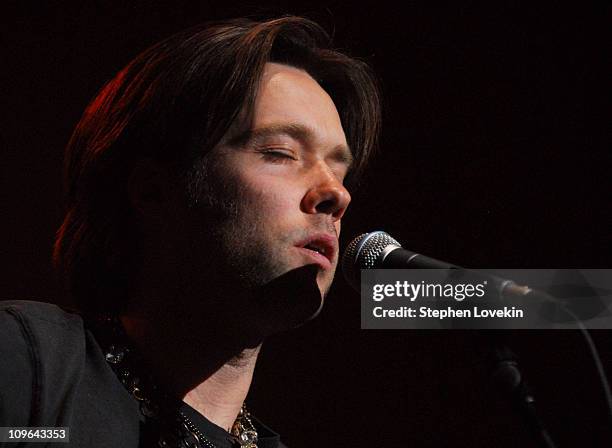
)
(205, 188)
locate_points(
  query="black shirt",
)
(53, 374)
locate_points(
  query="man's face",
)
(277, 183)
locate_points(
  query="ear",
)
(149, 188)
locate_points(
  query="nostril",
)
(328, 206)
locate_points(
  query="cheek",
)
(270, 198)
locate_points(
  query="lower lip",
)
(318, 258)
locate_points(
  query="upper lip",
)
(325, 243)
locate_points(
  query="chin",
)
(324, 283)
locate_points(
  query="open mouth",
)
(322, 248)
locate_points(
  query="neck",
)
(220, 397)
(207, 364)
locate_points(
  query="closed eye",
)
(277, 156)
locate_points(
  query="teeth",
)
(314, 248)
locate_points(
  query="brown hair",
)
(174, 103)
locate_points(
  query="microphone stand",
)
(508, 378)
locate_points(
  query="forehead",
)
(290, 95)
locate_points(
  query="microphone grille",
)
(362, 253)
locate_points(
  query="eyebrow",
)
(341, 153)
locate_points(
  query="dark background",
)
(495, 154)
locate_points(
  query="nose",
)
(326, 195)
